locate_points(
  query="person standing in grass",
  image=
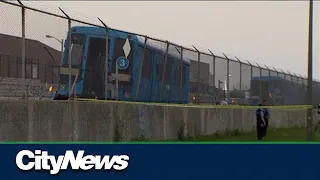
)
(261, 123)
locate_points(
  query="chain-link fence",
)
(34, 69)
(36, 41)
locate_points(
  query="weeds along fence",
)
(32, 42)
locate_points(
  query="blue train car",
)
(277, 91)
(88, 60)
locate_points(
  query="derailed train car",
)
(87, 51)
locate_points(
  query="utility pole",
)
(309, 88)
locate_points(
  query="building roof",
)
(12, 46)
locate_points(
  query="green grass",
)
(280, 136)
(287, 107)
(274, 135)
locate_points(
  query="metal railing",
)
(214, 77)
(10, 66)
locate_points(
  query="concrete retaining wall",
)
(16, 88)
(32, 120)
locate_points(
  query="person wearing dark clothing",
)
(266, 118)
(261, 123)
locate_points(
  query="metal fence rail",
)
(213, 77)
(10, 66)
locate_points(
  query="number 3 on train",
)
(123, 63)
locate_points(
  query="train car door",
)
(125, 87)
(176, 90)
(167, 83)
(165, 86)
(161, 90)
(145, 83)
(94, 69)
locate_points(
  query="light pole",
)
(309, 88)
(219, 86)
(60, 41)
(227, 82)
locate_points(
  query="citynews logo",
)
(41, 160)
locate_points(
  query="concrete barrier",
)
(17, 88)
(36, 120)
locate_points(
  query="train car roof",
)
(172, 51)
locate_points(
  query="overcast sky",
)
(271, 33)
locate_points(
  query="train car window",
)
(76, 54)
(118, 52)
(167, 74)
(147, 64)
(78, 39)
(177, 71)
(160, 62)
(184, 72)
(77, 49)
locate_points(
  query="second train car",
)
(88, 47)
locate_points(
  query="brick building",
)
(42, 61)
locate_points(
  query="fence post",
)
(300, 84)
(69, 50)
(106, 62)
(213, 67)
(23, 45)
(141, 67)
(198, 87)
(260, 92)
(291, 83)
(23, 42)
(240, 62)
(251, 74)
(164, 68)
(279, 86)
(228, 77)
(269, 74)
(213, 74)
(181, 73)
